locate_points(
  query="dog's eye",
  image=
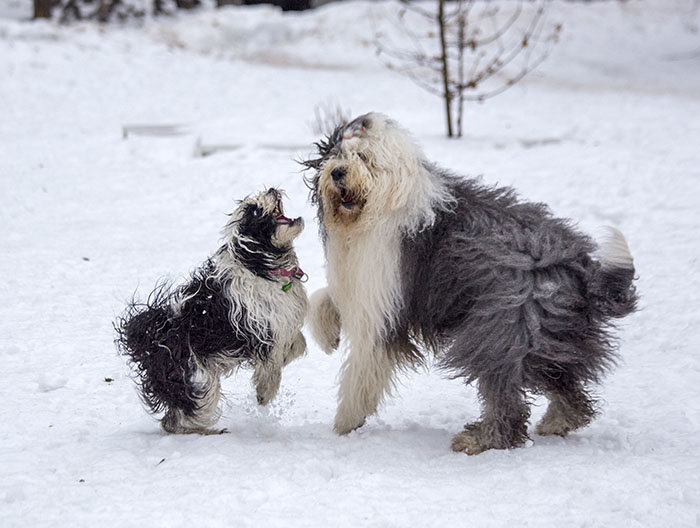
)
(256, 212)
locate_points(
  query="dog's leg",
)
(295, 349)
(569, 409)
(503, 421)
(324, 321)
(367, 376)
(207, 408)
(268, 374)
(266, 377)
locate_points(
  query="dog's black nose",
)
(338, 174)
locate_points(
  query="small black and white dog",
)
(244, 306)
(504, 293)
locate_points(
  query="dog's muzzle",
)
(346, 196)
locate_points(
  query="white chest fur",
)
(268, 307)
(364, 280)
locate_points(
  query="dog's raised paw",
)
(324, 321)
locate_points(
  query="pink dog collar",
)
(294, 273)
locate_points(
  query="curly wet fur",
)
(231, 312)
(167, 339)
(503, 292)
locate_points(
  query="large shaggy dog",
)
(244, 306)
(502, 292)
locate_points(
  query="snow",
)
(607, 132)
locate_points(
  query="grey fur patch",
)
(509, 295)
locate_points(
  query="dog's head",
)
(366, 169)
(260, 235)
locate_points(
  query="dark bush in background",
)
(106, 10)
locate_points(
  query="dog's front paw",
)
(324, 321)
(331, 346)
(295, 350)
(343, 426)
(267, 383)
(265, 393)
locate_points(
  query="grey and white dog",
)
(501, 291)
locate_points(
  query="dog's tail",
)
(147, 336)
(614, 294)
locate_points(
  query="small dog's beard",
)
(344, 201)
(286, 233)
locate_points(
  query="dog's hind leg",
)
(503, 422)
(570, 408)
(206, 412)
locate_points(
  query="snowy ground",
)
(607, 132)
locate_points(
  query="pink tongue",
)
(281, 219)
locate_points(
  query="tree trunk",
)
(158, 7)
(105, 10)
(42, 8)
(445, 72)
(461, 25)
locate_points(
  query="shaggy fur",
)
(505, 294)
(240, 308)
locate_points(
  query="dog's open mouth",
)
(283, 220)
(347, 198)
(280, 219)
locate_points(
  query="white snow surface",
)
(607, 132)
